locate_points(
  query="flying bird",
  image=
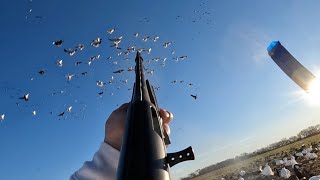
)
(132, 48)
(119, 71)
(77, 63)
(100, 83)
(95, 57)
(130, 68)
(42, 72)
(34, 113)
(183, 57)
(57, 43)
(59, 62)
(96, 42)
(70, 51)
(148, 51)
(2, 117)
(136, 34)
(100, 93)
(166, 44)
(140, 50)
(25, 97)
(155, 39)
(84, 73)
(156, 59)
(69, 109)
(69, 76)
(194, 96)
(111, 30)
(145, 39)
(61, 114)
(80, 46)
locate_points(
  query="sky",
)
(244, 100)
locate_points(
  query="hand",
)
(115, 125)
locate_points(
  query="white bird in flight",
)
(60, 62)
(2, 117)
(96, 42)
(69, 76)
(111, 30)
(70, 51)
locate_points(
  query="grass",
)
(235, 168)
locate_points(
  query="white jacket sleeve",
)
(102, 167)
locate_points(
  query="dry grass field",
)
(252, 164)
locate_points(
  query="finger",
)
(167, 128)
(167, 116)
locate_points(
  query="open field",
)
(252, 164)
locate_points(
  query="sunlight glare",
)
(313, 94)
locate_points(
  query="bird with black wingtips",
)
(70, 51)
(42, 72)
(183, 57)
(25, 97)
(61, 114)
(59, 62)
(70, 76)
(100, 83)
(118, 71)
(57, 43)
(96, 42)
(166, 44)
(80, 47)
(111, 30)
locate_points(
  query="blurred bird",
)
(96, 42)
(77, 63)
(34, 113)
(148, 51)
(57, 43)
(100, 83)
(60, 62)
(69, 109)
(95, 57)
(80, 46)
(194, 96)
(145, 39)
(119, 71)
(136, 34)
(155, 39)
(25, 97)
(110, 31)
(2, 117)
(70, 51)
(130, 68)
(70, 76)
(42, 72)
(183, 57)
(166, 44)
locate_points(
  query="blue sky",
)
(244, 100)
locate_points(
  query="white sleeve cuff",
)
(102, 167)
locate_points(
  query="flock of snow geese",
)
(294, 168)
(115, 42)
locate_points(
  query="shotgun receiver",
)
(143, 151)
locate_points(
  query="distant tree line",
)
(310, 131)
